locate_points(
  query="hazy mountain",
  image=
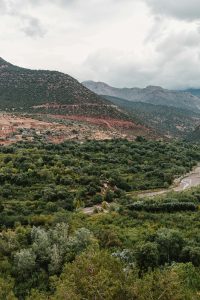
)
(195, 92)
(152, 94)
(165, 120)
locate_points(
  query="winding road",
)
(190, 180)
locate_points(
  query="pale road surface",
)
(190, 180)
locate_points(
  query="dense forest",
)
(135, 249)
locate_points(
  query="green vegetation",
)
(21, 89)
(194, 136)
(35, 87)
(50, 249)
(46, 178)
(165, 120)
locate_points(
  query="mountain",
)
(195, 92)
(49, 91)
(194, 136)
(152, 94)
(58, 95)
(25, 88)
(165, 120)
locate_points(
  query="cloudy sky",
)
(121, 42)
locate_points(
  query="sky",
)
(121, 42)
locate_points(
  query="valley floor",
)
(188, 181)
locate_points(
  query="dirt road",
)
(190, 180)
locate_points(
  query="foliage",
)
(44, 179)
(136, 250)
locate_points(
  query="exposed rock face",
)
(152, 94)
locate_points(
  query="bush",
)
(162, 207)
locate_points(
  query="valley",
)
(45, 187)
(188, 181)
(96, 192)
(99, 150)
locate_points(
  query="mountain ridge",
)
(44, 92)
(29, 90)
(151, 94)
(26, 78)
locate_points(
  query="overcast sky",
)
(121, 42)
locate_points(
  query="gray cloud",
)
(122, 42)
(32, 27)
(3, 7)
(29, 24)
(182, 9)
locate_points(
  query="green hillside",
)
(194, 136)
(21, 89)
(165, 120)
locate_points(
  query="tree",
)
(93, 275)
(6, 289)
(170, 244)
(147, 256)
(191, 254)
(24, 262)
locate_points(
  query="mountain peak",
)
(97, 83)
(154, 87)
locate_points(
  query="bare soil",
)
(14, 128)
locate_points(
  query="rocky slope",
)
(152, 94)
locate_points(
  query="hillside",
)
(40, 91)
(20, 87)
(168, 121)
(194, 136)
(152, 94)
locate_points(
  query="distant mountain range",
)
(152, 94)
(195, 92)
